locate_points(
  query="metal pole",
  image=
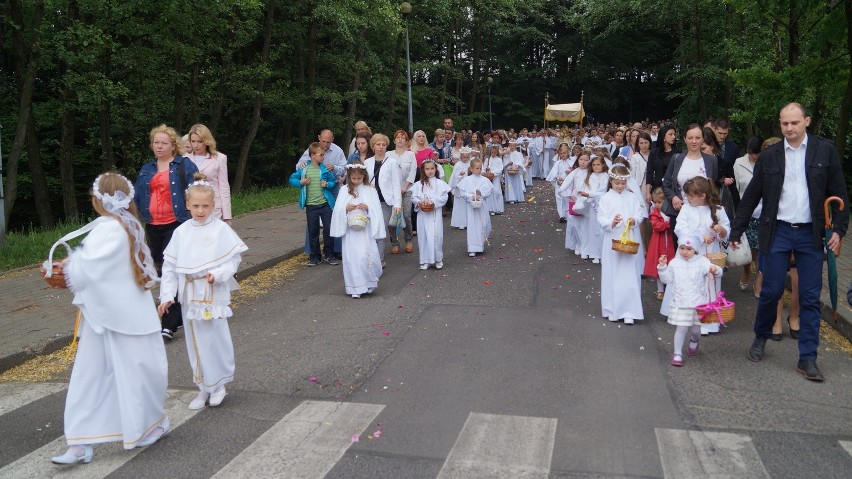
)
(2, 196)
(408, 61)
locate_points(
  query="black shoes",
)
(168, 333)
(313, 262)
(758, 347)
(777, 337)
(332, 260)
(794, 333)
(809, 370)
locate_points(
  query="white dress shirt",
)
(794, 204)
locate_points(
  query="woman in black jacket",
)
(658, 160)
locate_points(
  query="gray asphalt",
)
(514, 332)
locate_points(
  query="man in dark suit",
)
(728, 154)
(793, 178)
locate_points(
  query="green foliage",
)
(119, 68)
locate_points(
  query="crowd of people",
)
(682, 200)
(631, 199)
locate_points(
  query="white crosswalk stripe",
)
(308, 442)
(488, 447)
(15, 394)
(698, 454)
(847, 445)
(108, 457)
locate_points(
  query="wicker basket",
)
(490, 176)
(427, 207)
(727, 313)
(718, 259)
(57, 276)
(513, 170)
(357, 220)
(476, 203)
(630, 247)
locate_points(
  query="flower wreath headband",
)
(200, 183)
(357, 166)
(619, 177)
(116, 201)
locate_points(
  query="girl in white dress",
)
(474, 189)
(430, 193)
(620, 210)
(494, 165)
(514, 161)
(198, 267)
(118, 385)
(569, 189)
(702, 216)
(358, 220)
(556, 176)
(460, 171)
(686, 279)
(592, 188)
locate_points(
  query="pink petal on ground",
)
(379, 326)
(377, 434)
(356, 438)
(385, 333)
(312, 379)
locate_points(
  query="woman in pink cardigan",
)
(214, 165)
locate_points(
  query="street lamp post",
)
(405, 10)
(490, 119)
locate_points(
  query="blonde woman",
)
(214, 165)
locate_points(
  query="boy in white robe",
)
(430, 192)
(199, 266)
(474, 190)
(118, 385)
(557, 174)
(460, 171)
(620, 210)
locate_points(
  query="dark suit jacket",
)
(670, 186)
(824, 176)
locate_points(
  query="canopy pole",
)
(582, 108)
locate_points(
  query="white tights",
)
(680, 337)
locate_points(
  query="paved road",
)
(495, 366)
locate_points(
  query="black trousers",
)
(158, 238)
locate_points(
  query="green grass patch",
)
(32, 246)
(261, 199)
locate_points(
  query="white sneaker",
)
(471, 254)
(596, 261)
(356, 296)
(628, 320)
(217, 396)
(200, 401)
(612, 319)
(424, 266)
(584, 256)
(439, 265)
(577, 252)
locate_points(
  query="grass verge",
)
(32, 246)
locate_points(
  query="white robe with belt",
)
(515, 187)
(478, 219)
(460, 172)
(430, 224)
(118, 385)
(495, 200)
(362, 265)
(621, 273)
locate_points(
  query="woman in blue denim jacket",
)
(160, 199)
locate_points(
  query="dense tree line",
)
(84, 81)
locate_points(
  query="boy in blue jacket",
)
(317, 199)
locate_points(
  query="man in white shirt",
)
(793, 178)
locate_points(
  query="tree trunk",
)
(258, 100)
(105, 121)
(66, 161)
(39, 182)
(394, 83)
(699, 61)
(312, 76)
(356, 86)
(475, 70)
(26, 66)
(180, 94)
(794, 42)
(846, 104)
(216, 114)
(194, 93)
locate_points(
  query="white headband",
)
(116, 201)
